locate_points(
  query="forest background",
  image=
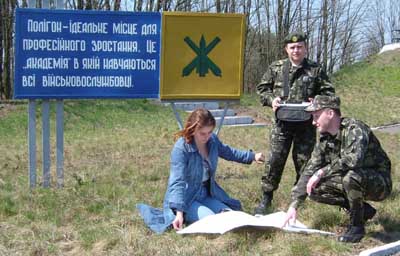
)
(341, 32)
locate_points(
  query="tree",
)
(339, 32)
(7, 19)
(1, 47)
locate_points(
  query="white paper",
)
(226, 221)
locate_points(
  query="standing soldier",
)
(292, 80)
(347, 167)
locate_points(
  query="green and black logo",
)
(202, 62)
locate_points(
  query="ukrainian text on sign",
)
(87, 54)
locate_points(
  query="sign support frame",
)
(46, 143)
(32, 142)
(60, 143)
(219, 124)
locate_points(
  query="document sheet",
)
(226, 221)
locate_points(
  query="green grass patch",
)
(369, 90)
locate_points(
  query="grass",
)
(117, 155)
(369, 90)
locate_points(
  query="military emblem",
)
(294, 39)
(202, 63)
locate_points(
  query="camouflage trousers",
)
(355, 187)
(283, 135)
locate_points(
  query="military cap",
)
(295, 37)
(323, 101)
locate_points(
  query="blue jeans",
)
(203, 206)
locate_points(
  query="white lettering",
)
(76, 63)
(129, 64)
(114, 46)
(47, 63)
(44, 26)
(150, 46)
(58, 44)
(91, 63)
(124, 28)
(28, 81)
(149, 29)
(51, 80)
(87, 27)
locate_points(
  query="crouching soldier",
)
(347, 168)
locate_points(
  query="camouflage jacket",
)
(305, 82)
(353, 147)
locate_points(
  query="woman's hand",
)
(259, 158)
(178, 221)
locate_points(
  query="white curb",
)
(384, 250)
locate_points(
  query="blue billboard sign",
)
(62, 54)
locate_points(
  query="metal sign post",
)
(32, 142)
(46, 143)
(179, 120)
(60, 143)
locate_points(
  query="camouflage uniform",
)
(305, 81)
(355, 168)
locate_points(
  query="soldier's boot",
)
(265, 203)
(369, 211)
(356, 230)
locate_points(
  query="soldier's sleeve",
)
(299, 191)
(265, 88)
(354, 147)
(325, 85)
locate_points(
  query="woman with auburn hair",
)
(192, 191)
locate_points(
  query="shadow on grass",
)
(391, 229)
(250, 234)
(391, 226)
(242, 239)
(254, 232)
(327, 220)
(395, 194)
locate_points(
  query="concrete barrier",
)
(384, 250)
(233, 120)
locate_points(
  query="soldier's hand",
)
(275, 103)
(312, 183)
(290, 215)
(314, 180)
(259, 158)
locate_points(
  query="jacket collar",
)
(303, 64)
(331, 138)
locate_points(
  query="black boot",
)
(356, 230)
(264, 204)
(369, 211)
(353, 235)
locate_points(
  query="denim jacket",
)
(185, 180)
